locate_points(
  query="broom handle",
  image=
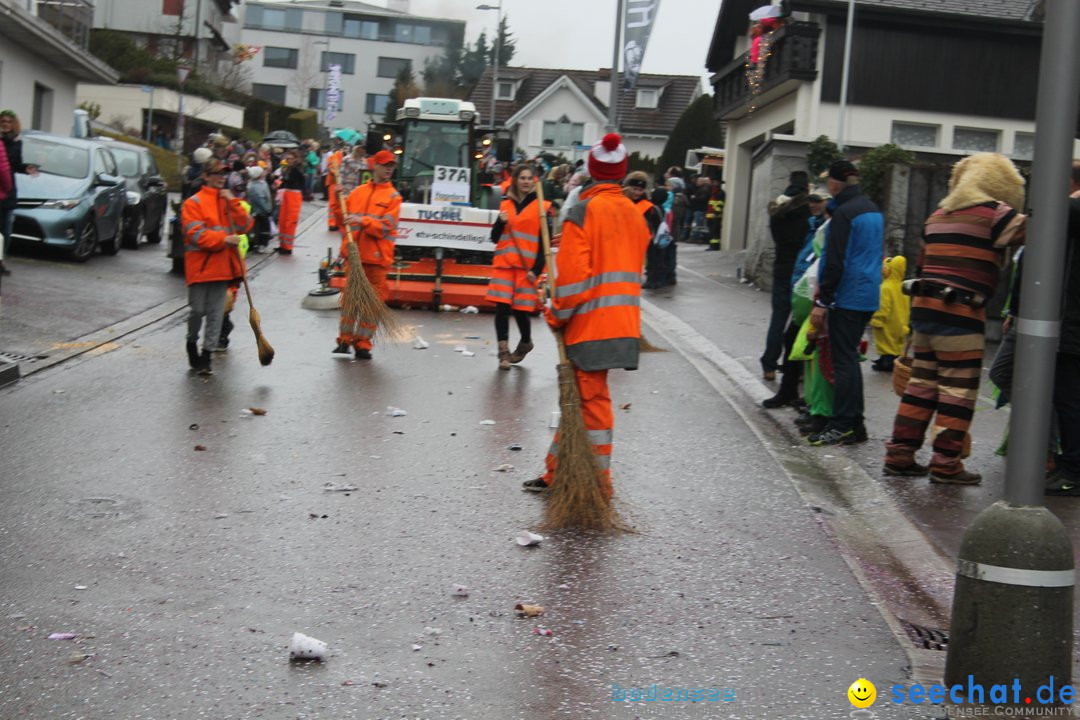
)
(545, 237)
(243, 265)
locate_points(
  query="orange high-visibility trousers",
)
(599, 422)
(358, 333)
(335, 218)
(289, 218)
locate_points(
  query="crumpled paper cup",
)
(526, 538)
(306, 648)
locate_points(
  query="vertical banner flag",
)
(639, 22)
(333, 92)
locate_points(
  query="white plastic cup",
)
(526, 538)
(306, 648)
(556, 416)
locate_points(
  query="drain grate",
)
(927, 638)
(18, 357)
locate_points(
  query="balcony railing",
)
(73, 18)
(793, 59)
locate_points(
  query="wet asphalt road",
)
(198, 565)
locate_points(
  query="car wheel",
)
(87, 241)
(132, 231)
(113, 246)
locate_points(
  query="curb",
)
(906, 575)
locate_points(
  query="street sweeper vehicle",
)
(443, 250)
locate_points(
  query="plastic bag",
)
(663, 235)
(802, 348)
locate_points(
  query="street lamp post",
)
(495, 57)
(321, 112)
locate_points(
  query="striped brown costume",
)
(965, 249)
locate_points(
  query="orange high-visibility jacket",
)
(379, 206)
(598, 281)
(333, 167)
(520, 241)
(206, 220)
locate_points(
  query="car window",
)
(110, 164)
(151, 166)
(127, 161)
(56, 158)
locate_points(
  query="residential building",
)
(301, 40)
(189, 29)
(941, 79)
(562, 111)
(43, 54)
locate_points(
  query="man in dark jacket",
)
(1065, 478)
(788, 218)
(849, 292)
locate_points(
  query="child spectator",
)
(890, 322)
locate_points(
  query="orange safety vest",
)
(206, 222)
(382, 203)
(520, 241)
(598, 280)
(333, 167)
(504, 186)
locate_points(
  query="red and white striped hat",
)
(607, 158)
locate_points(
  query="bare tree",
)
(308, 72)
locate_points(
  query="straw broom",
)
(360, 301)
(575, 499)
(266, 351)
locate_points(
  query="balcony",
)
(73, 18)
(793, 61)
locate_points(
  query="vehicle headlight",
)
(466, 115)
(133, 198)
(61, 204)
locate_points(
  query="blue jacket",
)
(849, 276)
(806, 255)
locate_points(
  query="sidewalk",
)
(736, 324)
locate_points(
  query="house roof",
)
(678, 92)
(734, 22)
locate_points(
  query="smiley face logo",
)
(862, 693)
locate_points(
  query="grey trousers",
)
(207, 300)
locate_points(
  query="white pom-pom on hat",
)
(607, 158)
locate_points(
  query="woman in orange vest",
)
(333, 171)
(375, 207)
(292, 196)
(517, 263)
(596, 297)
(634, 187)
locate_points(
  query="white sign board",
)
(450, 185)
(446, 226)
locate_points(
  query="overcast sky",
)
(579, 34)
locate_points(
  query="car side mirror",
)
(108, 180)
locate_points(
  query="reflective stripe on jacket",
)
(597, 287)
(382, 203)
(520, 242)
(206, 223)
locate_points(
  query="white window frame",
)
(644, 93)
(503, 84)
(983, 131)
(931, 126)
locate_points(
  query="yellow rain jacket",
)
(890, 322)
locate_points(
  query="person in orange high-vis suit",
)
(596, 297)
(212, 221)
(517, 262)
(374, 207)
(292, 197)
(333, 172)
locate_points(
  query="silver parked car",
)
(76, 201)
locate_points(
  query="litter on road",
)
(526, 610)
(304, 647)
(526, 538)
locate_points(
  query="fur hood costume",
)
(982, 178)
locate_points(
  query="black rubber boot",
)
(204, 363)
(193, 355)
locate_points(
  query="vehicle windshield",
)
(55, 158)
(127, 161)
(431, 142)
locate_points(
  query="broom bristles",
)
(266, 352)
(576, 499)
(645, 346)
(360, 302)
